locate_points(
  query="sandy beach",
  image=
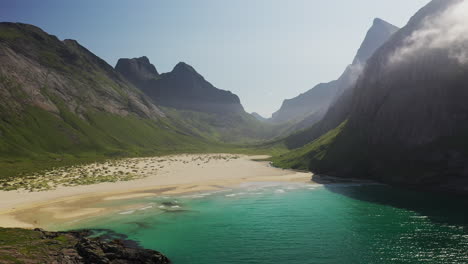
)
(170, 175)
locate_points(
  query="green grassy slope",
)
(61, 105)
(236, 128)
(37, 140)
(341, 149)
(301, 158)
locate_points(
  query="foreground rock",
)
(39, 246)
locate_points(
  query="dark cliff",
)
(182, 88)
(404, 121)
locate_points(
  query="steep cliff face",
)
(411, 101)
(182, 88)
(310, 106)
(406, 115)
(377, 35)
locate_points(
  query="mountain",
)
(307, 108)
(377, 35)
(194, 105)
(60, 102)
(182, 88)
(405, 119)
(259, 117)
(138, 70)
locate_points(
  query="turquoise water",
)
(297, 224)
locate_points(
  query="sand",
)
(169, 175)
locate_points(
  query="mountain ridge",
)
(315, 101)
(62, 104)
(184, 88)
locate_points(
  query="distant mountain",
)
(405, 120)
(182, 88)
(137, 70)
(60, 100)
(194, 105)
(315, 102)
(259, 117)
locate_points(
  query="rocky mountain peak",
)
(377, 35)
(137, 70)
(183, 68)
(317, 99)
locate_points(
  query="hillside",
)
(405, 117)
(308, 108)
(52, 106)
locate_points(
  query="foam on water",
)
(127, 212)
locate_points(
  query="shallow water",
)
(297, 224)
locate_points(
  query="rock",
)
(97, 251)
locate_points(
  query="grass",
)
(27, 246)
(98, 172)
(38, 140)
(239, 128)
(300, 158)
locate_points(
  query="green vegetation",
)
(346, 152)
(27, 246)
(10, 33)
(235, 128)
(72, 126)
(37, 140)
(316, 150)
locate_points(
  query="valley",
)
(370, 167)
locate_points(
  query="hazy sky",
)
(262, 50)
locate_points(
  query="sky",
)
(264, 51)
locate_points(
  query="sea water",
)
(295, 224)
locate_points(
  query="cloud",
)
(445, 31)
(355, 71)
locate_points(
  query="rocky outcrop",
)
(82, 249)
(309, 107)
(137, 70)
(73, 247)
(183, 88)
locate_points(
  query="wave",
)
(127, 212)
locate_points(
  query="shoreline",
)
(176, 174)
